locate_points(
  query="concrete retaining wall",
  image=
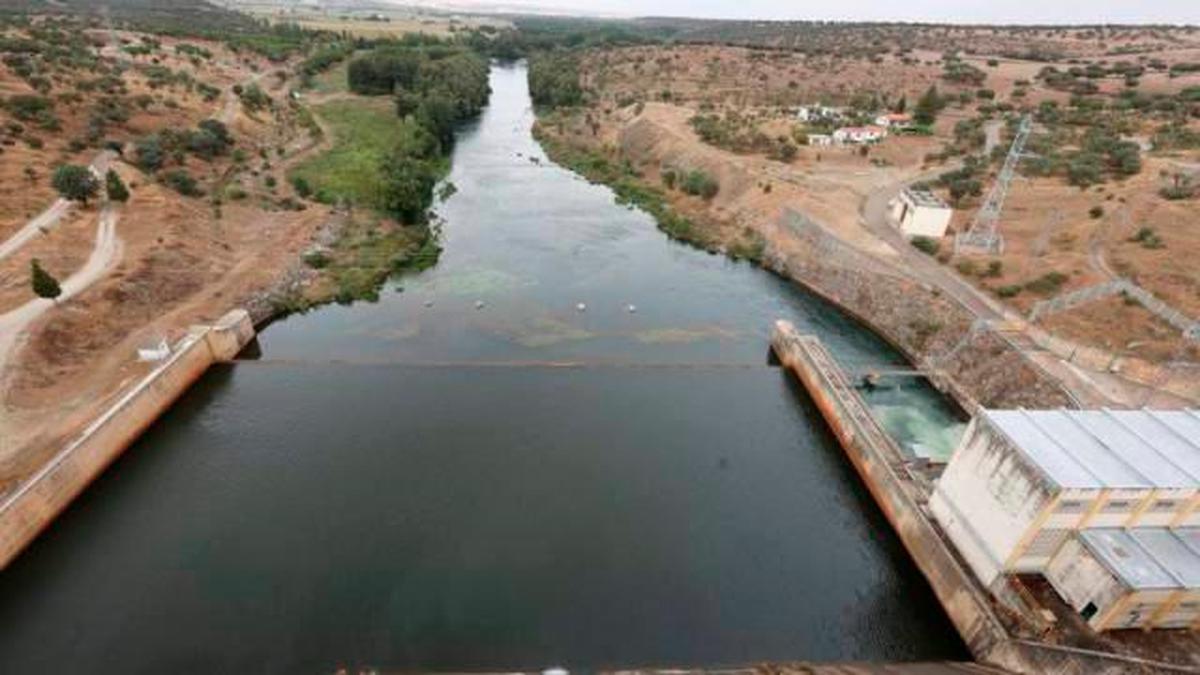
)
(39, 500)
(930, 328)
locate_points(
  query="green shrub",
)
(927, 245)
(1047, 283)
(1009, 291)
(182, 182)
(1096, 211)
(115, 187)
(699, 183)
(1148, 238)
(301, 186)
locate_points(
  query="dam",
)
(473, 474)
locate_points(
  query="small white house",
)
(894, 121)
(920, 213)
(820, 139)
(867, 134)
(818, 113)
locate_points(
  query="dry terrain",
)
(177, 258)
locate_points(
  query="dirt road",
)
(1092, 389)
(53, 215)
(105, 255)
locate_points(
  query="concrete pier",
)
(881, 466)
(39, 500)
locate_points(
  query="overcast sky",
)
(955, 11)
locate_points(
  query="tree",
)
(927, 106)
(901, 105)
(115, 187)
(75, 182)
(44, 285)
(150, 154)
(408, 187)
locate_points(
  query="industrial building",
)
(1022, 483)
(1138, 578)
(920, 213)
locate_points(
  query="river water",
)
(476, 473)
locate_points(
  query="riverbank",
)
(936, 333)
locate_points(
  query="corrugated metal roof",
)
(1043, 451)
(1171, 553)
(1180, 446)
(1107, 449)
(1190, 536)
(1126, 559)
(1107, 428)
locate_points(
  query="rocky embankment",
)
(931, 328)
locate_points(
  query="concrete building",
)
(867, 134)
(1139, 578)
(894, 121)
(820, 139)
(818, 113)
(1021, 483)
(920, 213)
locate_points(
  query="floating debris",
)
(632, 309)
(581, 307)
(429, 303)
(478, 304)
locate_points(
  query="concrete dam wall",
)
(38, 501)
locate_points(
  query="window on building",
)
(1046, 542)
(1117, 506)
(1089, 610)
(1071, 506)
(1164, 505)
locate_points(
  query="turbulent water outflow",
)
(564, 445)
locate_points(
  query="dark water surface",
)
(420, 483)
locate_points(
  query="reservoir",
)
(564, 445)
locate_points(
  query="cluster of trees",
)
(252, 96)
(34, 109)
(1083, 142)
(436, 85)
(209, 140)
(78, 183)
(965, 181)
(926, 110)
(554, 79)
(741, 134)
(961, 72)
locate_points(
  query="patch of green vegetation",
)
(365, 133)
(927, 245)
(1148, 238)
(1046, 284)
(368, 252)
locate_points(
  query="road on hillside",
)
(104, 256)
(49, 218)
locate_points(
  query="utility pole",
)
(983, 235)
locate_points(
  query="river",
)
(563, 445)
